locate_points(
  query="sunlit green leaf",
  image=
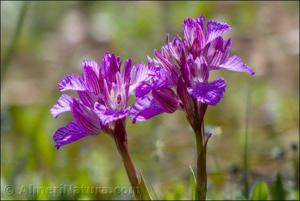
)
(260, 191)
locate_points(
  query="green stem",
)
(137, 183)
(15, 38)
(246, 190)
(201, 175)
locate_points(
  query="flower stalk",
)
(197, 123)
(201, 175)
(140, 190)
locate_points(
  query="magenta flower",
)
(103, 93)
(186, 64)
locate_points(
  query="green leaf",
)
(277, 190)
(193, 184)
(260, 191)
(144, 189)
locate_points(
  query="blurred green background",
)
(256, 125)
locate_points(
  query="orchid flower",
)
(102, 107)
(181, 81)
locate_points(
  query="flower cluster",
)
(103, 92)
(184, 64)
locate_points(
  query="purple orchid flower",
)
(103, 93)
(181, 81)
(188, 62)
(102, 106)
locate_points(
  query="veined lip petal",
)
(209, 93)
(68, 134)
(107, 116)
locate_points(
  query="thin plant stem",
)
(201, 142)
(201, 164)
(135, 178)
(246, 190)
(15, 38)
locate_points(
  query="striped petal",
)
(140, 74)
(145, 108)
(167, 99)
(62, 105)
(85, 117)
(209, 93)
(91, 75)
(87, 98)
(110, 66)
(72, 82)
(215, 29)
(107, 116)
(69, 133)
(235, 63)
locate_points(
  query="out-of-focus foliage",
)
(278, 191)
(54, 37)
(260, 191)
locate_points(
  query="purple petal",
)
(209, 93)
(72, 82)
(126, 74)
(69, 133)
(187, 71)
(193, 35)
(166, 78)
(104, 89)
(201, 70)
(140, 73)
(164, 59)
(107, 116)
(176, 48)
(87, 98)
(145, 108)
(199, 42)
(235, 63)
(218, 52)
(62, 105)
(215, 29)
(143, 89)
(91, 74)
(85, 117)
(167, 99)
(91, 64)
(187, 101)
(201, 21)
(226, 49)
(110, 66)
